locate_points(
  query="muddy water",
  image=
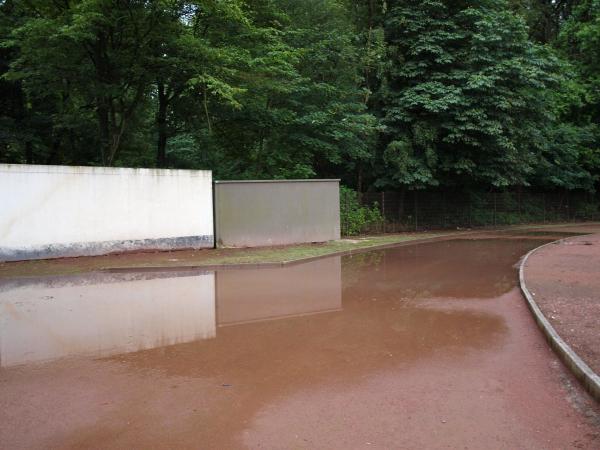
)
(427, 345)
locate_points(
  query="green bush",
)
(355, 218)
(586, 211)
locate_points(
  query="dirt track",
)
(565, 278)
(423, 346)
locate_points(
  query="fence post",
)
(343, 203)
(519, 199)
(400, 210)
(444, 219)
(383, 210)
(544, 201)
(416, 211)
(494, 209)
(470, 212)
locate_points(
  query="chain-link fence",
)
(422, 210)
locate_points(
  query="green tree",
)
(463, 96)
(544, 17)
(302, 111)
(380, 93)
(87, 58)
(580, 42)
(193, 64)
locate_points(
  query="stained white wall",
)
(67, 211)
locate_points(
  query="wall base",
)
(104, 247)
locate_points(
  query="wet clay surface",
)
(424, 346)
(565, 281)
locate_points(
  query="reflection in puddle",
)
(460, 268)
(100, 315)
(260, 294)
(255, 357)
(107, 314)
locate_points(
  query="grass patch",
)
(296, 252)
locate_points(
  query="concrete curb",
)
(578, 367)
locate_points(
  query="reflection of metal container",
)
(261, 294)
(101, 315)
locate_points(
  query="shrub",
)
(354, 217)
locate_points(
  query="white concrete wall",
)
(48, 211)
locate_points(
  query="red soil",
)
(432, 346)
(565, 280)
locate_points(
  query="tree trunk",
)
(54, 157)
(28, 152)
(103, 125)
(100, 60)
(161, 125)
(205, 101)
(359, 181)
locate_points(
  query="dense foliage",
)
(384, 94)
(355, 217)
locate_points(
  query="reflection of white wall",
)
(262, 294)
(40, 322)
(46, 210)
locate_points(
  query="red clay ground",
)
(432, 346)
(565, 281)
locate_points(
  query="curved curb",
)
(578, 367)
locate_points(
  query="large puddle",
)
(248, 348)
(106, 314)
